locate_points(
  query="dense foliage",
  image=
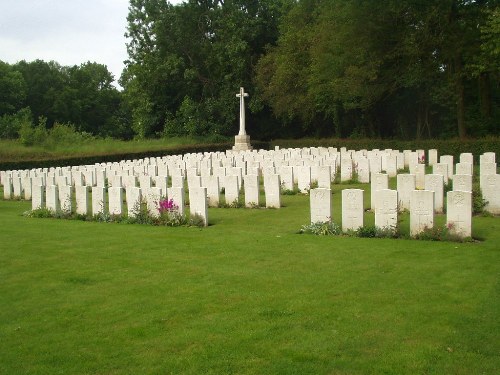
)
(402, 69)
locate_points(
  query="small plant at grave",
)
(285, 191)
(170, 215)
(478, 202)
(237, 203)
(372, 231)
(314, 184)
(327, 228)
(354, 176)
(196, 221)
(40, 213)
(421, 159)
(141, 214)
(102, 217)
(433, 234)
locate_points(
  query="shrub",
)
(328, 228)
(478, 202)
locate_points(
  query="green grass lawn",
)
(13, 150)
(247, 295)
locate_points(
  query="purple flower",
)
(167, 205)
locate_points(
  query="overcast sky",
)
(70, 32)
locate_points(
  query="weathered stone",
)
(286, 176)
(213, 190)
(362, 167)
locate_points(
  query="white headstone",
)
(435, 183)
(448, 160)
(362, 167)
(115, 197)
(386, 209)
(37, 197)
(379, 181)
(433, 156)
(352, 209)
(99, 200)
(198, 203)
(346, 169)
(213, 190)
(286, 176)
(463, 168)
(177, 195)
(405, 185)
(320, 205)
(491, 193)
(421, 211)
(442, 169)
(324, 176)
(462, 182)
(232, 192)
(459, 213)
(52, 198)
(304, 178)
(272, 190)
(82, 200)
(153, 196)
(251, 190)
(7, 188)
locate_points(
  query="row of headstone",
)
(295, 167)
(386, 202)
(99, 200)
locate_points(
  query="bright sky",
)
(70, 32)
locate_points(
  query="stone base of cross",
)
(242, 143)
(242, 140)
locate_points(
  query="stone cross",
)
(242, 96)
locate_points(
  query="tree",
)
(194, 54)
(12, 89)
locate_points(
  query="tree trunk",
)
(460, 97)
(485, 95)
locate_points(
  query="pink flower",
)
(167, 205)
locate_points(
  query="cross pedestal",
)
(242, 143)
(242, 140)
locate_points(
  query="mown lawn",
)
(247, 295)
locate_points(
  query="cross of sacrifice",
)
(242, 96)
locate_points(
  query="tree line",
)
(405, 69)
